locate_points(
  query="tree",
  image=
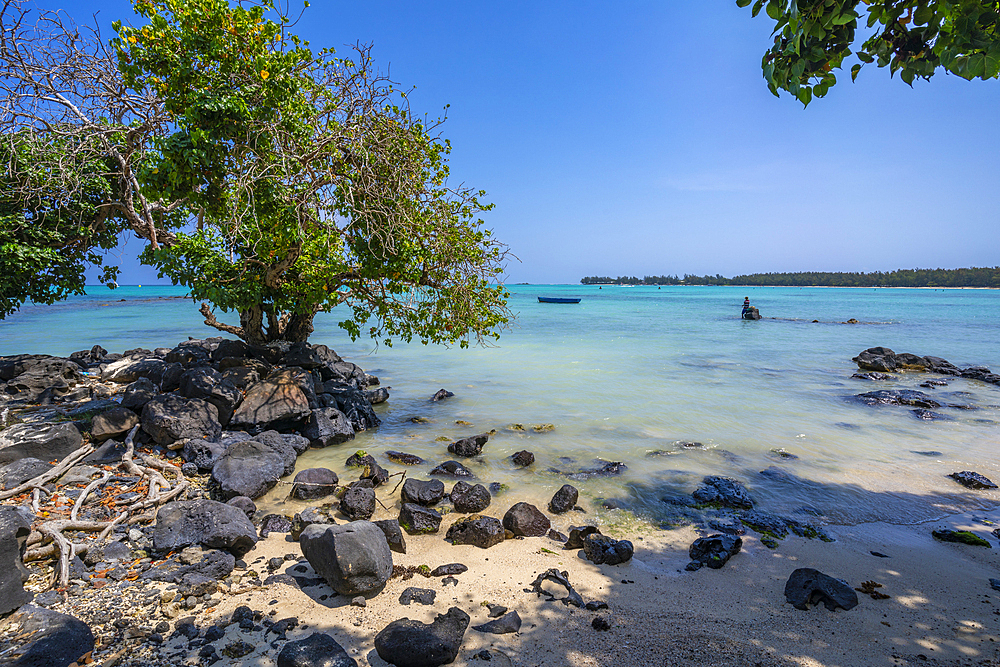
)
(72, 140)
(47, 243)
(812, 38)
(307, 181)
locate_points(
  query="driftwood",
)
(55, 531)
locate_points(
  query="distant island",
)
(971, 277)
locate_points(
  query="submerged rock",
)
(911, 397)
(972, 480)
(723, 492)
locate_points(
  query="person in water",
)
(746, 306)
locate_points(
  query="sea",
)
(668, 381)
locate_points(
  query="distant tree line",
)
(970, 277)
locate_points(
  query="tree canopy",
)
(278, 182)
(916, 38)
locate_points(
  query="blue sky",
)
(639, 138)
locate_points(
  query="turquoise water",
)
(634, 371)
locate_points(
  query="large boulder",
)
(209, 523)
(807, 586)
(358, 502)
(250, 468)
(169, 418)
(50, 639)
(480, 531)
(205, 453)
(564, 499)
(15, 525)
(419, 520)
(38, 377)
(354, 404)
(408, 643)
(316, 650)
(278, 402)
(41, 441)
(353, 558)
(137, 394)
(112, 423)
(328, 426)
(314, 483)
(125, 371)
(421, 492)
(208, 384)
(20, 471)
(525, 520)
(470, 499)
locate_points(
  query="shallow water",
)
(634, 371)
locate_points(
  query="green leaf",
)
(743, 3)
(774, 9)
(854, 72)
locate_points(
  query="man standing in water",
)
(746, 306)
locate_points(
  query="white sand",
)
(941, 604)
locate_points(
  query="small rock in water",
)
(807, 586)
(523, 458)
(995, 584)
(878, 554)
(782, 454)
(403, 458)
(564, 499)
(928, 415)
(972, 480)
(452, 468)
(926, 453)
(471, 446)
(441, 394)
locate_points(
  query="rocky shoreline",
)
(128, 529)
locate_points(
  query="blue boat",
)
(556, 299)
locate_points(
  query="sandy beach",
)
(941, 609)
